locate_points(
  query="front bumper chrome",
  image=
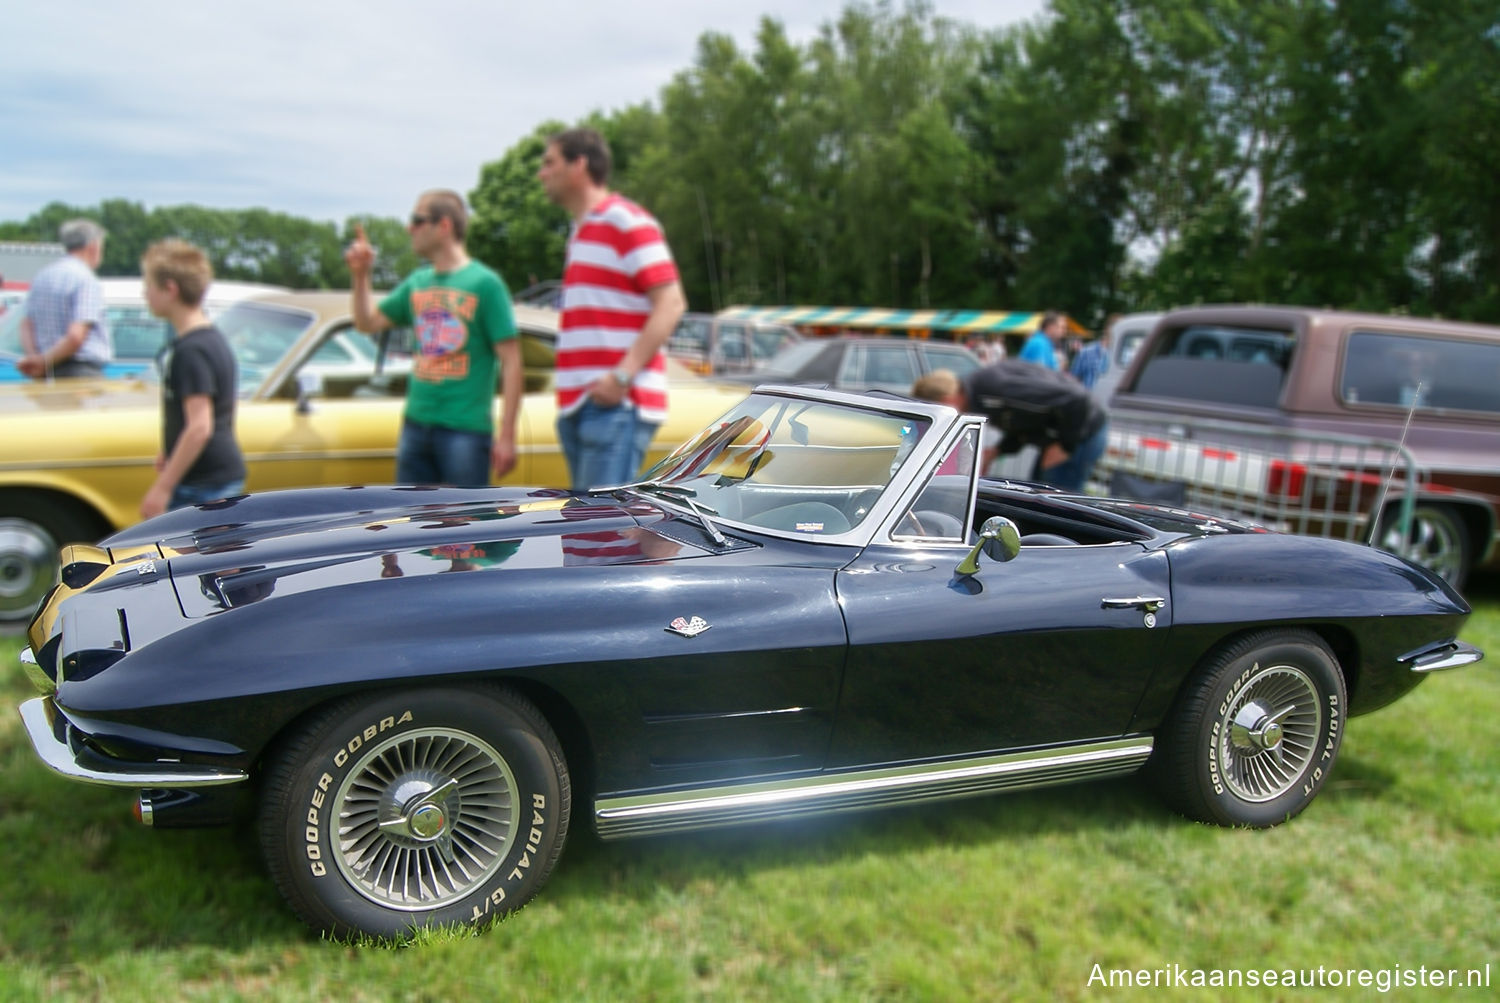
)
(34, 673)
(60, 750)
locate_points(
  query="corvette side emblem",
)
(688, 628)
(146, 568)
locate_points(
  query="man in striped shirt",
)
(621, 300)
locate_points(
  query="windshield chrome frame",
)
(944, 426)
(922, 478)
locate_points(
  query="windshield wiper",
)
(673, 492)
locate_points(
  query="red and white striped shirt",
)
(616, 254)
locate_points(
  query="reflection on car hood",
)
(235, 553)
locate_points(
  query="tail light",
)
(1286, 480)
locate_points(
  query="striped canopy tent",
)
(954, 323)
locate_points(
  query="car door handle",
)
(1149, 604)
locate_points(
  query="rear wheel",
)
(33, 526)
(1437, 539)
(1255, 731)
(410, 809)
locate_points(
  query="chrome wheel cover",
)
(1431, 540)
(425, 818)
(1269, 733)
(28, 567)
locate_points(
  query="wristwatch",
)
(621, 376)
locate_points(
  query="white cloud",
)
(325, 108)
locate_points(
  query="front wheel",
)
(1255, 732)
(408, 809)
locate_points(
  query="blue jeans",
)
(603, 445)
(430, 454)
(1073, 473)
(184, 495)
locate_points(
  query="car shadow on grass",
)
(590, 867)
(114, 885)
(1356, 779)
(109, 885)
(106, 884)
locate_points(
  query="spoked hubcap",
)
(28, 567)
(1270, 733)
(424, 818)
(1431, 541)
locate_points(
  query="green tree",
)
(1113, 154)
(515, 229)
(1453, 75)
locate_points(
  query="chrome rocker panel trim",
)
(58, 755)
(708, 807)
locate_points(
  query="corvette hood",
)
(314, 554)
(242, 551)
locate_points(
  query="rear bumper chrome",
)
(61, 752)
(1453, 655)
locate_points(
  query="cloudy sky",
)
(325, 108)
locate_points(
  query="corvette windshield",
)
(793, 465)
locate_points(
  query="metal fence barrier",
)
(1310, 483)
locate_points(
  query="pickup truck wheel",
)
(408, 809)
(1437, 539)
(1255, 732)
(32, 529)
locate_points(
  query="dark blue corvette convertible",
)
(815, 605)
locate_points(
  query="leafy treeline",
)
(1117, 155)
(253, 245)
(1113, 155)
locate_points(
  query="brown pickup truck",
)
(1371, 427)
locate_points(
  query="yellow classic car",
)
(77, 456)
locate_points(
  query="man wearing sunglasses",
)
(461, 312)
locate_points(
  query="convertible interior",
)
(1046, 522)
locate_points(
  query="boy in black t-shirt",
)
(200, 460)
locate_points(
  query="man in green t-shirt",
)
(461, 312)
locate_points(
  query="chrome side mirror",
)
(382, 349)
(309, 385)
(998, 538)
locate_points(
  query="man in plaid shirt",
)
(1092, 361)
(63, 332)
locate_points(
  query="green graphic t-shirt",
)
(458, 317)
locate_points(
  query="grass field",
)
(1009, 897)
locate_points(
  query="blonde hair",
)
(938, 386)
(180, 262)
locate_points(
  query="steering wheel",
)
(910, 525)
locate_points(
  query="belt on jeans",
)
(424, 426)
